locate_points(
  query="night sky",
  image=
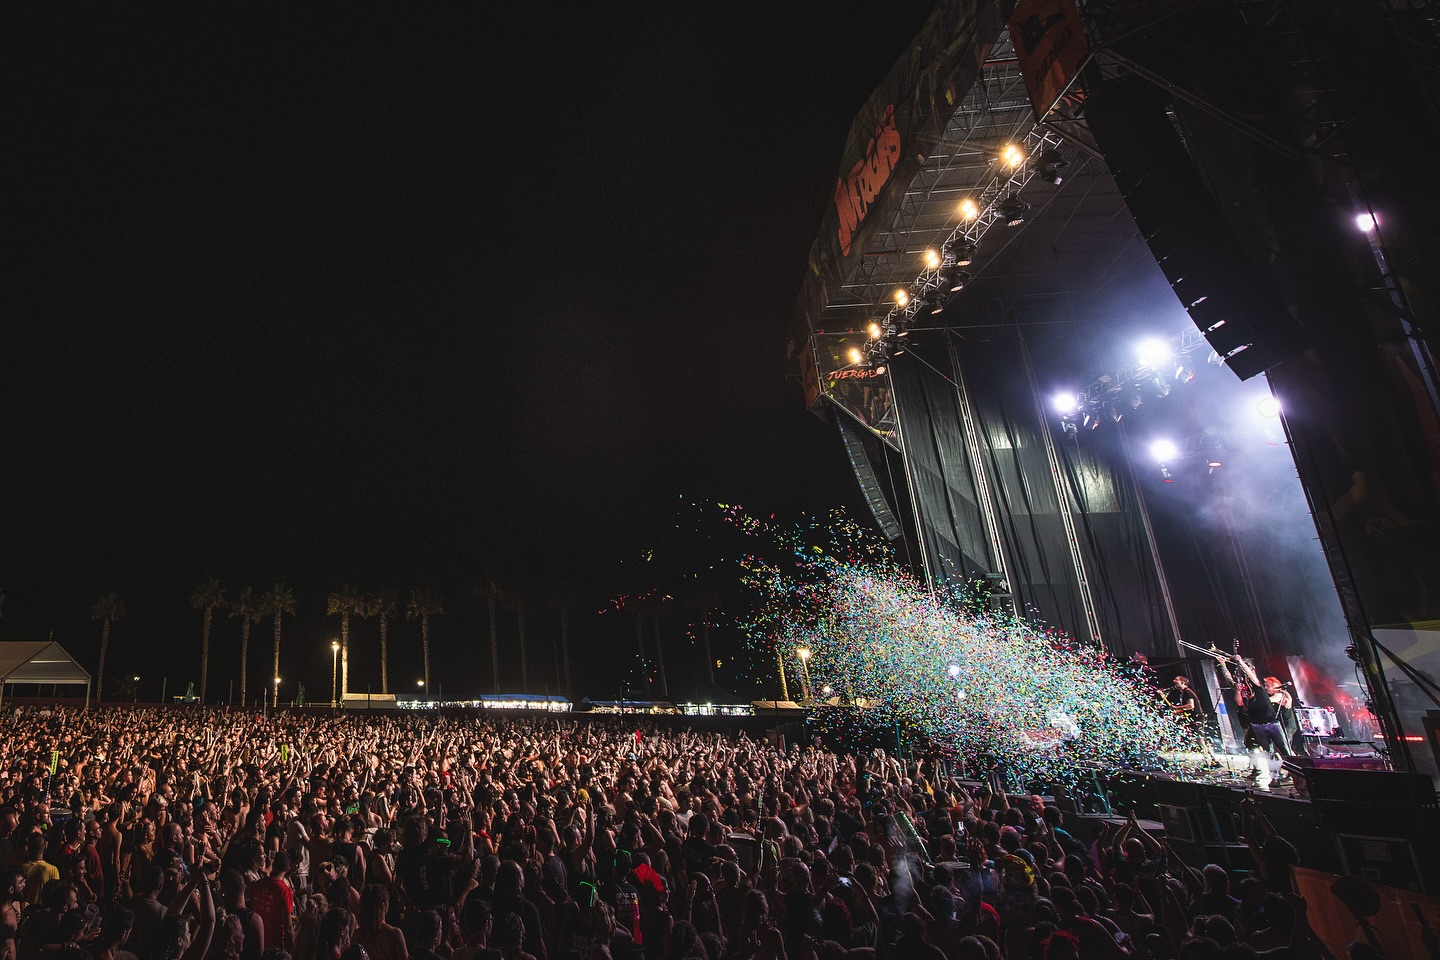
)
(403, 302)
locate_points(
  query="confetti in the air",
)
(997, 690)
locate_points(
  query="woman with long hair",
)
(381, 940)
(337, 929)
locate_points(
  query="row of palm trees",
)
(276, 603)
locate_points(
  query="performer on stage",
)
(1260, 704)
(1180, 697)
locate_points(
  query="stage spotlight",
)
(954, 671)
(934, 302)
(1153, 353)
(1365, 222)
(1012, 155)
(1050, 166)
(1066, 403)
(874, 330)
(1183, 374)
(1214, 465)
(1164, 451)
(1135, 401)
(969, 209)
(960, 252)
(1114, 413)
(932, 259)
(954, 279)
(1268, 407)
(1069, 427)
(856, 357)
(902, 296)
(1162, 387)
(1013, 211)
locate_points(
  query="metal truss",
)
(1109, 393)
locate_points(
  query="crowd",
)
(168, 835)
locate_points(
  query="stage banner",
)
(1049, 41)
(863, 394)
(891, 137)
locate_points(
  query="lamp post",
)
(420, 685)
(276, 705)
(804, 654)
(334, 673)
(135, 692)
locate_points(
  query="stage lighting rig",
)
(1013, 211)
(996, 200)
(958, 252)
(1160, 364)
(1050, 165)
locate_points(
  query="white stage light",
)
(1066, 403)
(1164, 451)
(1268, 407)
(1365, 222)
(1154, 353)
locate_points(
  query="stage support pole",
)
(1165, 597)
(1062, 498)
(982, 479)
(910, 478)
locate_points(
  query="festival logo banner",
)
(890, 139)
(862, 393)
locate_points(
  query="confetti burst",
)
(996, 689)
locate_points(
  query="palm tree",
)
(206, 599)
(107, 610)
(249, 609)
(521, 605)
(346, 601)
(656, 611)
(279, 601)
(381, 604)
(562, 602)
(494, 595)
(425, 602)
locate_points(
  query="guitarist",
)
(1260, 703)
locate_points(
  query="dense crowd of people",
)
(169, 835)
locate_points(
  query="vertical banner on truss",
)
(1049, 41)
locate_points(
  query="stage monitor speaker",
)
(1387, 860)
(1321, 778)
(1236, 309)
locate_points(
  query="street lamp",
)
(277, 694)
(334, 673)
(804, 654)
(135, 691)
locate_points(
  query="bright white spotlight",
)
(954, 671)
(1154, 353)
(1164, 451)
(1365, 222)
(1066, 403)
(1268, 407)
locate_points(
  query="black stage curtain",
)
(947, 510)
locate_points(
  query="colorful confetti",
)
(999, 691)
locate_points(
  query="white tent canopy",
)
(39, 661)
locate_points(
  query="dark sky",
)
(397, 302)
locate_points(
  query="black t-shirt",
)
(1181, 697)
(1259, 708)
